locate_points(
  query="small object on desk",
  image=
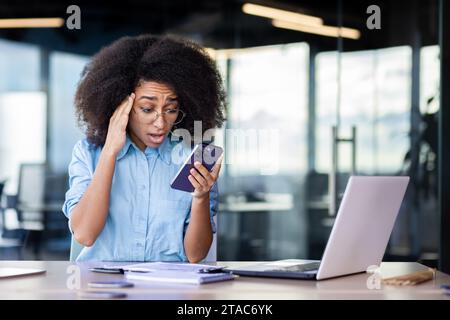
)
(214, 270)
(411, 278)
(110, 284)
(100, 294)
(446, 288)
(107, 270)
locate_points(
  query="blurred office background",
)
(378, 88)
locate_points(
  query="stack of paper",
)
(176, 272)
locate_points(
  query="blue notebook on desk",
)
(169, 272)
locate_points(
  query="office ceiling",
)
(216, 23)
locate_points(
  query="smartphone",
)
(110, 284)
(206, 154)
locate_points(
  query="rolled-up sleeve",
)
(80, 176)
(213, 208)
(213, 205)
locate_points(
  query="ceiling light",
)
(322, 30)
(32, 23)
(283, 15)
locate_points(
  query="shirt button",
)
(143, 187)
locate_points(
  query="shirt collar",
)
(164, 150)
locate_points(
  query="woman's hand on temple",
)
(202, 179)
(116, 136)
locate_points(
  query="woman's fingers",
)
(194, 182)
(120, 108)
(200, 179)
(125, 106)
(203, 177)
(216, 169)
(129, 104)
(121, 114)
(116, 136)
(205, 173)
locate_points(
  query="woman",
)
(120, 205)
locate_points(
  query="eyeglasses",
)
(170, 116)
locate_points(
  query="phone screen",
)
(205, 153)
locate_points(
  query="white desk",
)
(52, 285)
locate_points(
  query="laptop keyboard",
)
(299, 267)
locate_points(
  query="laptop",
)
(359, 236)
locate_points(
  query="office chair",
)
(11, 241)
(29, 199)
(30, 195)
(38, 206)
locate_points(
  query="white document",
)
(152, 266)
(175, 272)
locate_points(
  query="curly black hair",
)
(116, 70)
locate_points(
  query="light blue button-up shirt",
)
(147, 219)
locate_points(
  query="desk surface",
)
(52, 285)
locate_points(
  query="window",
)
(375, 97)
(269, 109)
(22, 110)
(65, 72)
